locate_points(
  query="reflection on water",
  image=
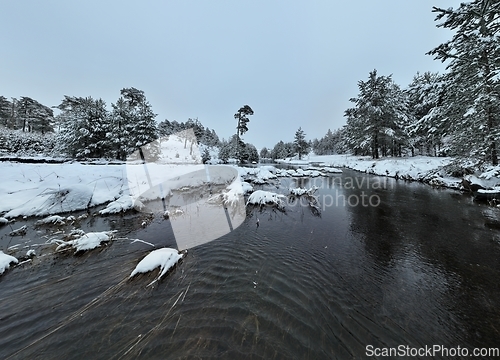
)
(419, 269)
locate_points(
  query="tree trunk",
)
(375, 146)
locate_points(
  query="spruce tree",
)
(300, 144)
(472, 102)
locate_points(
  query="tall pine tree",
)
(472, 102)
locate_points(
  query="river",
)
(417, 266)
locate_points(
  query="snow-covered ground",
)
(419, 168)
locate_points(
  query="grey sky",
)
(296, 63)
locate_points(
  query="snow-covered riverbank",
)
(436, 171)
(45, 189)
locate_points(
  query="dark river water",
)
(417, 266)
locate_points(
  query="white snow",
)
(30, 253)
(54, 219)
(164, 258)
(5, 261)
(47, 189)
(246, 187)
(88, 241)
(260, 175)
(122, 204)
(261, 197)
(302, 191)
(489, 191)
(411, 168)
(3, 221)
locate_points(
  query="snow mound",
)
(19, 232)
(259, 175)
(5, 261)
(303, 191)
(121, 204)
(3, 221)
(233, 195)
(76, 197)
(298, 173)
(261, 197)
(87, 241)
(54, 219)
(247, 188)
(164, 258)
(331, 170)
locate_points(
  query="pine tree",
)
(241, 128)
(300, 144)
(252, 153)
(205, 156)
(429, 126)
(264, 153)
(134, 125)
(84, 124)
(378, 120)
(5, 111)
(35, 116)
(473, 104)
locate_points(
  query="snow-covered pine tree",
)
(472, 101)
(429, 127)
(378, 119)
(252, 153)
(205, 156)
(300, 144)
(5, 111)
(84, 124)
(34, 116)
(134, 125)
(264, 153)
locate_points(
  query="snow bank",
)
(164, 258)
(49, 201)
(5, 261)
(88, 241)
(419, 168)
(48, 189)
(261, 197)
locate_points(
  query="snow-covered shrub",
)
(17, 142)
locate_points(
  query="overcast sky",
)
(296, 63)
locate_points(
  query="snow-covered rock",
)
(88, 241)
(246, 187)
(3, 221)
(164, 258)
(122, 204)
(261, 197)
(54, 219)
(19, 232)
(302, 191)
(5, 261)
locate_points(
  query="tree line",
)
(456, 113)
(85, 128)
